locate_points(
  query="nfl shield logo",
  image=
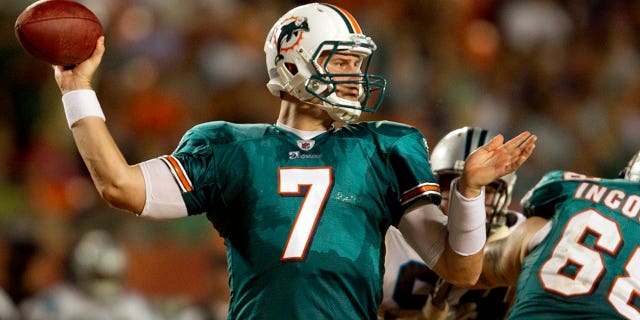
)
(306, 145)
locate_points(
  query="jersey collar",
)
(302, 134)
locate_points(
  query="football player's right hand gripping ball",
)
(59, 32)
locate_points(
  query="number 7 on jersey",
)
(317, 183)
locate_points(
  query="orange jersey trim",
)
(419, 190)
(178, 173)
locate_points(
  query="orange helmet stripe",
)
(349, 19)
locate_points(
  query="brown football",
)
(59, 32)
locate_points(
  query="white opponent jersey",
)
(408, 280)
(65, 302)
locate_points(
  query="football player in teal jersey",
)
(578, 255)
(303, 205)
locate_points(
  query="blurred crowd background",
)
(568, 71)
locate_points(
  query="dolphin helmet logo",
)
(290, 34)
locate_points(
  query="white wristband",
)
(467, 222)
(79, 104)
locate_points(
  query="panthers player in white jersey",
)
(409, 285)
(303, 204)
(95, 289)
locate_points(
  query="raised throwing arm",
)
(119, 183)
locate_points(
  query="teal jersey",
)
(588, 266)
(303, 220)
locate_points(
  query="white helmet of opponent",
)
(293, 47)
(99, 264)
(632, 170)
(451, 152)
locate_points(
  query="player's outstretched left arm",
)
(461, 261)
(121, 185)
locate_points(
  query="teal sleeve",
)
(409, 160)
(195, 154)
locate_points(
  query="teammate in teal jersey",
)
(577, 257)
(303, 205)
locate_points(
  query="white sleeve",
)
(424, 227)
(164, 198)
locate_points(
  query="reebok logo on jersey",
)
(298, 155)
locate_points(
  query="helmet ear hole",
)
(292, 68)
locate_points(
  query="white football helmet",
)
(632, 170)
(448, 158)
(294, 45)
(99, 264)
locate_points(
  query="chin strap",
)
(342, 114)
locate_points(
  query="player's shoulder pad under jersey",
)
(208, 134)
(390, 128)
(553, 187)
(385, 133)
(227, 131)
